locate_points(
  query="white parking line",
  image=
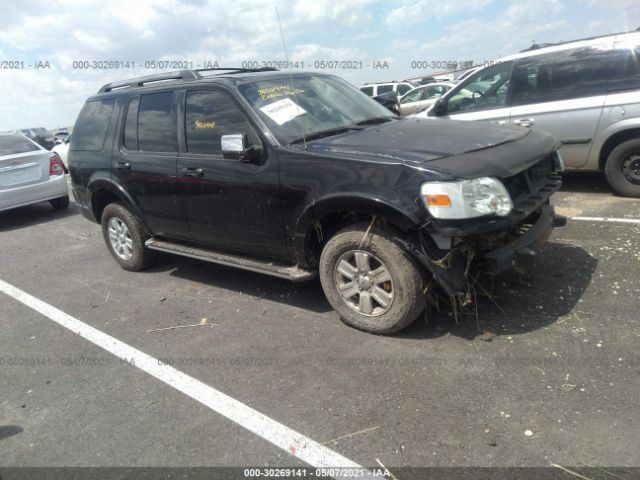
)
(607, 219)
(294, 443)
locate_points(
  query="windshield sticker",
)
(280, 91)
(205, 124)
(283, 110)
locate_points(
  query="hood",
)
(417, 140)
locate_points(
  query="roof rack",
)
(537, 46)
(238, 70)
(184, 75)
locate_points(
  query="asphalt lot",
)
(556, 356)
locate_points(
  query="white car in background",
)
(62, 149)
(375, 89)
(30, 174)
(422, 97)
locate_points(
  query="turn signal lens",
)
(438, 201)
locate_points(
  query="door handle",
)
(192, 172)
(122, 166)
(524, 122)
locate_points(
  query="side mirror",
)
(236, 147)
(438, 108)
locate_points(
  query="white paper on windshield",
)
(283, 110)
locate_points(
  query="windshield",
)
(311, 106)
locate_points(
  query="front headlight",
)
(466, 198)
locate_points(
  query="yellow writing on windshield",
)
(279, 91)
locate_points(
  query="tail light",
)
(56, 167)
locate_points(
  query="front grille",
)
(534, 185)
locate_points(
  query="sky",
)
(50, 41)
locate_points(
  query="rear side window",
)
(630, 79)
(367, 90)
(130, 139)
(156, 125)
(384, 89)
(91, 126)
(209, 115)
(576, 73)
(10, 144)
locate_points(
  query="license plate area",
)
(15, 175)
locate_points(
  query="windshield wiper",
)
(322, 134)
(375, 120)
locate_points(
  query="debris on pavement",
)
(203, 322)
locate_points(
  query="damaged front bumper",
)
(527, 244)
(493, 251)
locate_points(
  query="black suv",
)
(297, 174)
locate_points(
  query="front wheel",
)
(623, 168)
(125, 236)
(372, 284)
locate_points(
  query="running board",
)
(293, 273)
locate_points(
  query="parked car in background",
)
(375, 89)
(62, 149)
(585, 92)
(422, 97)
(389, 101)
(297, 174)
(60, 136)
(43, 137)
(30, 174)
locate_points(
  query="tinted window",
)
(209, 115)
(569, 74)
(91, 126)
(483, 90)
(131, 125)
(156, 127)
(630, 79)
(10, 144)
(384, 89)
(402, 89)
(367, 90)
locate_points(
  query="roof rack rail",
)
(158, 77)
(537, 46)
(176, 75)
(237, 70)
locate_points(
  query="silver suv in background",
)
(586, 93)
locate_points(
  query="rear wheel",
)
(125, 236)
(60, 203)
(623, 168)
(372, 284)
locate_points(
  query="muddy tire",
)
(372, 284)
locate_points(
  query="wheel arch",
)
(614, 140)
(337, 211)
(103, 191)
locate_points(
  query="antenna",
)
(292, 86)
